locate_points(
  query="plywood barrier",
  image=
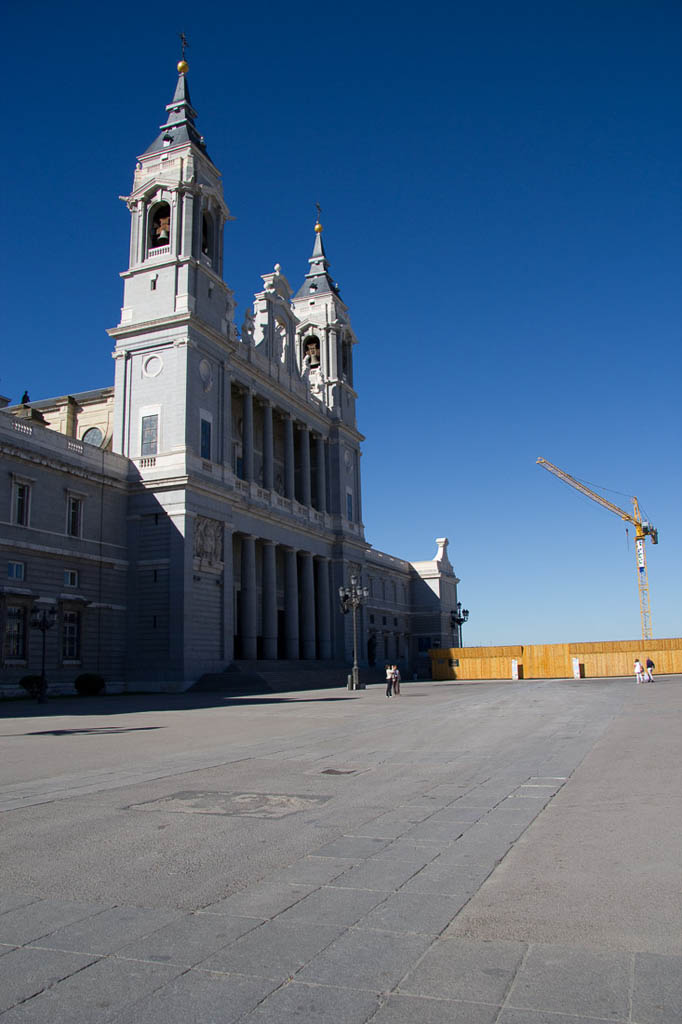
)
(555, 661)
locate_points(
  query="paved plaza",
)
(460, 854)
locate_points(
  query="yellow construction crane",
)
(642, 529)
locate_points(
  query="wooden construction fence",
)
(555, 661)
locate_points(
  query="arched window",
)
(207, 236)
(159, 226)
(93, 436)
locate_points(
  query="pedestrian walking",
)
(396, 680)
(639, 671)
(389, 680)
(650, 670)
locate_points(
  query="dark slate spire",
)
(179, 128)
(317, 280)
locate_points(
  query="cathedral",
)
(204, 513)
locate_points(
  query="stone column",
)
(227, 419)
(321, 474)
(247, 453)
(306, 491)
(291, 603)
(308, 606)
(289, 465)
(269, 600)
(268, 451)
(324, 623)
(228, 595)
(249, 623)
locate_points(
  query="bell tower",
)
(175, 300)
(325, 336)
(325, 342)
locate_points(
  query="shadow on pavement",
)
(136, 703)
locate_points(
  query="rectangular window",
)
(349, 506)
(74, 516)
(206, 440)
(22, 502)
(15, 633)
(16, 570)
(71, 636)
(150, 435)
(70, 577)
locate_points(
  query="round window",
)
(93, 436)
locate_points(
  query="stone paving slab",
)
(321, 1004)
(32, 922)
(354, 847)
(108, 931)
(25, 972)
(12, 901)
(557, 978)
(332, 906)
(414, 912)
(274, 950)
(190, 940)
(508, 1016)
(360, 959)
(413, 1010)
(262, 901)
(199, 998)
(408, 850)
(93, 995)
(384, 876)
(459, 969)
(313, 869)
(657, 989)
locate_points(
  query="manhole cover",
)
(250, 805)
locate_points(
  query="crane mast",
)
(643, 529)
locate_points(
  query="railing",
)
(22, 428)
(75, 446)
(148, 462)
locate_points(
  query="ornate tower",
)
(325, 342)
(175, 300)
(325, 336)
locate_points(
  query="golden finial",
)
(318, 226)
(183, 66)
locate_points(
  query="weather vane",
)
(319, 211)
(185, 44)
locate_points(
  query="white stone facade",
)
(233, 490)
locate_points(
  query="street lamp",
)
(350, 599)
(43, 619)
(458, 619)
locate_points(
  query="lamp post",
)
(458, 619)
(350, 599)
(43, 619)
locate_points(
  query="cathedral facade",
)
(206, 510)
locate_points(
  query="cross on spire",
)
(319, 211)
(184, 43)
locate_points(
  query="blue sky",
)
(499, 191)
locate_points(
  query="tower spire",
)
(317, 280)
(179, 127)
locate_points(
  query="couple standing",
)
(642, 675)
(392, 680)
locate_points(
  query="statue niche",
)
(159, 226)
(311, 369)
